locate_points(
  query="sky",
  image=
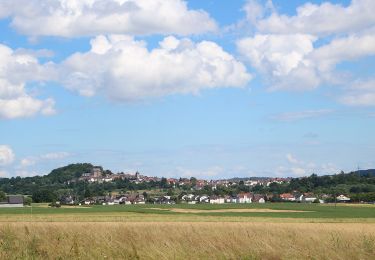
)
(211, 89)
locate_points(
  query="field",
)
(252, 231)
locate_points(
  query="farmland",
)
(230, 231)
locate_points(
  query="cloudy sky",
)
(208, 88)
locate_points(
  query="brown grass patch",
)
(155, 240)
(232, 210)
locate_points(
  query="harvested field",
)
(228, 210)
(270, 231)
(186, 241)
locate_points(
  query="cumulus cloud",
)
(302, 52)
(15, 70)
(282, 59)
(323, 19)
(344, 49)
(6, 155)
(124, 69)
(70, 18)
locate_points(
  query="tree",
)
(27, 201)
(44, 196)
(163, 183)
(170, 192)
(193, 181)
(3, 196)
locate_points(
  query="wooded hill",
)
(359, 184)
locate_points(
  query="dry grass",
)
(155, 240)
(230, 210)
(137, 217)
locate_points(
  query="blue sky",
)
(210, 89)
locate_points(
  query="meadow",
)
(230, 231)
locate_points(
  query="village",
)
(97, 175)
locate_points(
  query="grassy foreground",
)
(270, 231)
(186, 241)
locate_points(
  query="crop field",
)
(230, 231)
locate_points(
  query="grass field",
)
(231, 231)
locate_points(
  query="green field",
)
(318, 212)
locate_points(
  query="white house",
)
(217, 200)
(261, 200)
(244, 198)
(342, 198)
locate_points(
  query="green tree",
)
(44, 196)
(3, 196)
(27, 201)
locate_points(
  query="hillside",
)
(65, 180)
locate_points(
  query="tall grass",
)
(157, 240)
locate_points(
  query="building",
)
(342, 198)
(244, 197)
(217, 200)
(13, 201)
(287, 197)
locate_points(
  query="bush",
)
(27, 200)
(54, 205)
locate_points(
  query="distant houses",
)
(342, 198)
(12, 201)
(214, 199)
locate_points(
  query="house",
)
(13, 201)
(306, 197)
(342, 198)
(287, 197)
(230, 199)
(164, 200)
(261, 200)
(88, 202)
(258, 198)
(244, 197)
(217, 200)
(204, 199)
(67, 200)
(139, 199)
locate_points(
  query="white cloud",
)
(290, 62)
(6, 155)
(360, 93)
(55, 156)
(32, 160)
(204, 173)
(15, 70)
(297, 171)
(70, 18)
(344, 49)
(324, 19)
(282, 59)
(4, 174)
(25, 173)
(301, 115)
(124, 69)
(29, 161)
(301, 52)
(300, 168)
(291, 158)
